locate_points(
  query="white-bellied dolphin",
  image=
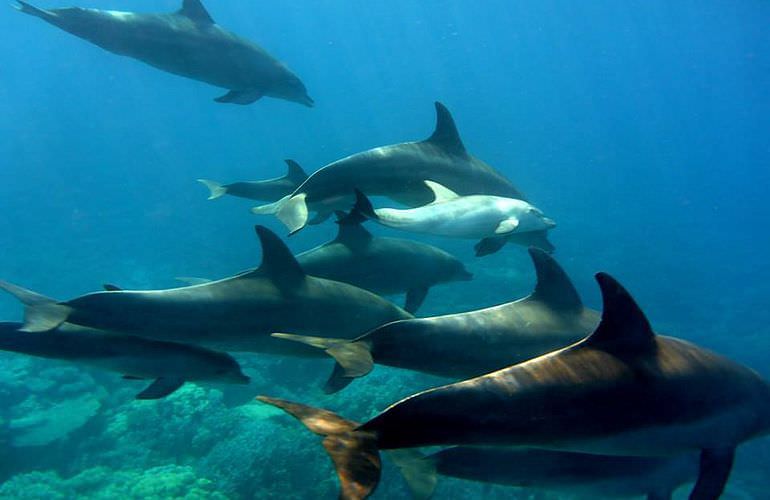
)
(187, 43)
(267, 190)
(621, 391)
(581, 474)
(464, 345)
(397, 171)
(232, 314)
(476, 216)
(167, 364)
(381, 265)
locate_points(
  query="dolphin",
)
(186, 43)
(464, 345)
(622, 391)
(168, 364)
(396, 171)
(475, 216)
(581, 474)
(384, 266)
(232, 314)
(267, 190)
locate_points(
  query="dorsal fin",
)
(440, 192)
(446, 136)
(278, 263)
(553, 285)
(195, 10)
(624, 329)
(351, 231)
(295, 172)
(109, 287)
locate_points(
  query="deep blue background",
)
(640, 126)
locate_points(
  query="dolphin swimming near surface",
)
(449, 214)
(381, 265)
(232, 314)
(622, 391)
(168, 364)
(464, 345)
(187, 43)
(397, 171)
(267, 190)
(582, 474)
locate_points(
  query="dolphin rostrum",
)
(232, 314)
(622, 391)
(384, 266)
(168, 364)
(397, 171)
(477, 216)
(582, 474)
(186, 43)
(469, 344)
(267, 190)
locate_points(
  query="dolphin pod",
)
(621, 391)
(232, 314)
(187, 43)
(167, 364)
(464, 345)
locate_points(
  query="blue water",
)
(640, 126)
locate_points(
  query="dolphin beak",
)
(550, 223)
(466, 275)
(307, 101)
(242, 379)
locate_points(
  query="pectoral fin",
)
(488, 246)
(414, 299)
(132, 377)
(240, 97)
(715, 467)
(161, 388)
(507, 226)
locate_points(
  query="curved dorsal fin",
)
(351, 231)
(295, 172)
(446, 136)
(624, 329)
(278, 263)
(553, 285)
(195, 10)
(440, 192)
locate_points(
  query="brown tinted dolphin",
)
(381, 265)
(397, 171)
(581, 474)
(622, 391)
(168, 364)
(232, 314)
(465, 345)
(267, 190)
(186, 43)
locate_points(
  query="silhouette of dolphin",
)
(186, 43)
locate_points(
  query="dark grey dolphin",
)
(384, 266)
(267, 190)
(397, 171)
(469, 344)
(168, 364)
(232, 314)
(581, 474)
(187, 43)
(622, 391)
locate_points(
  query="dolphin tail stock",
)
(417, 469)
(33, 11)
(353, 358)
(216, 190)
(355, 453)
(41, 313)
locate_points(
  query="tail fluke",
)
(354, 453)
(216, 189)
(418, 470)
(40, 312)
(354, 358)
